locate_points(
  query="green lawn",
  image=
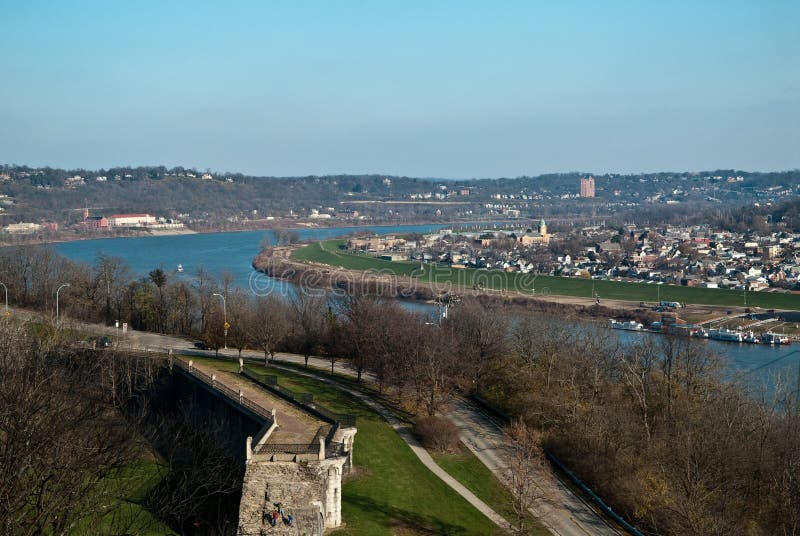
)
(465, 467)
(329, 252)
(128, 516)
(391, 491)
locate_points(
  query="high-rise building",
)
(587, 186)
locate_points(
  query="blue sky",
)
(453, 89)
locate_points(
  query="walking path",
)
(406, 435)
(294, 426)
(564, 512)
(561, 511)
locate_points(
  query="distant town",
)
(46, 203)
(695, 256)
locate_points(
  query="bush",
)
(436, 433)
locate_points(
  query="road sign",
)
(124, 327)
(226, 325)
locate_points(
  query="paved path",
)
(294, 426)
(564, 513)
(406, 435)
(561, 511)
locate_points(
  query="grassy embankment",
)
(329, 252)
(139, 478)
(392, 492)
(462, 465)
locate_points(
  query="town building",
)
(130, 220)
(22, 228)
(532, 237)
(95, 222)
(587, 186)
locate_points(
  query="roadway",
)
(561, 510)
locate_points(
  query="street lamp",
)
(57, 292)
(224, 319)
(6, 289)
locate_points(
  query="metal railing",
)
(332, 448)
(224, 389)
(305, 400)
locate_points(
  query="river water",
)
(233, 253)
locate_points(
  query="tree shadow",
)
(420, 523)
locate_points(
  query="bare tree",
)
(482, 337)
(270, 324)
(527, 474)
(308, 320)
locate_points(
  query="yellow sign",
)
(226, 325)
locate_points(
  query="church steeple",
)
(542, 227)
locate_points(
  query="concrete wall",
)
(212, 411)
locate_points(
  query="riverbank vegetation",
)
(331, 252)
(654, 428)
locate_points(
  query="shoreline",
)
(278, 262)
(299, 226)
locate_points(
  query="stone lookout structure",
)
(294, 465)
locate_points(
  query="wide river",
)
(233, 253)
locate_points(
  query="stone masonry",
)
(309, 487)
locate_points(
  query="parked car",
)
(200, 345)
(104, 342)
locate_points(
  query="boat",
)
(751, 338)
(180, 268)
(770, 337)
(725, 334)
(630, 325)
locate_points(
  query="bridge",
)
(294, 464)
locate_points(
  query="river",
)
(233, 253)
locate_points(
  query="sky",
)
(446, 89)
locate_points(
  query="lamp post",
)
(224, 319)
(6, 289)
(57, 292)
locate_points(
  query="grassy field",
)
(391, 492)
(329, 252)
(465, 467)
(128, 515)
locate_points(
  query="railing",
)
(332, 448)
(224, 389)
(287, 448)
(305, 400)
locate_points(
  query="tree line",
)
(656, 428)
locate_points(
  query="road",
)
(562, 511)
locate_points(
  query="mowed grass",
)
(390, 492)
(127, 515)
(465, 467)
(329, 252)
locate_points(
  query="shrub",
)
(437, 433)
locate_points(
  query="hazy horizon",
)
(453, 90)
